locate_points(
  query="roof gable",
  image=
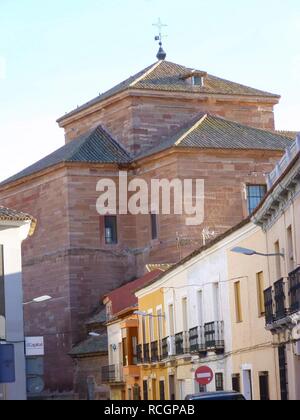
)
(212, 132)
(124, 297)
(170, 77)
(96, 146)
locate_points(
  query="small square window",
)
(197, 81)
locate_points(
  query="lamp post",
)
(251, 252)
(40, 299)
(145, 314)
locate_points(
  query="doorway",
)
(172, 387)
(247, 381)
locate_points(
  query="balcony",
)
(112, 374)
(146, 352)
(294, 291)
(197, 340)
(181, 344)
(269, 305)
(214, 336)
(154, 352)
(139, 354)
(280, 300)
(278, 307)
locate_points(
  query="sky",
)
(55, 55)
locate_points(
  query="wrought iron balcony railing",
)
(154, 352)
(181, 343)
(280, 300)
(197, 340)
(139, 354)
(214, 336)
(146, 353)
(294, 290)
(269, 312)
(112, 374)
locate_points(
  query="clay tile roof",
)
(96, 146)
(7, 214)
(92, 345)
(124, 297)
(212, 132)
(170, 77)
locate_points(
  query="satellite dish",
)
(35, 385)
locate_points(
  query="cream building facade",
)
(279, 218)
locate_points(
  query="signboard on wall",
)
(34, 346)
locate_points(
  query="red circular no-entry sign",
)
(204, 375)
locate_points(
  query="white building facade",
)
(15, 227)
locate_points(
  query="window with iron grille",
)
(280, 309)
(268, 294)
(294, 290)
(219, 382)
(255, 194)
(145, 391)
(283, 373)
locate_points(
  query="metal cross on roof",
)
(161, 55)
(159, 25)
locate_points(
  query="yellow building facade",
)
(151, 349)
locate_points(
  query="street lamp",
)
(140, 313)
(39, 299)
(251, 252)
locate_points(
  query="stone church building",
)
(167, 121)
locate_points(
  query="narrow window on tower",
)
(111, 234)
(154, 230)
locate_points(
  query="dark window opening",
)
(145, 390)
(236, 383)
(219, 382)
(264, 386)
(162, 390)
(154, 230)
(110, 225)
(255, 194)
(197, 81)
(283, 373)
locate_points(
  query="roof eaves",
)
(198, 252)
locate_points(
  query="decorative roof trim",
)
(195, 126)
(139, 79)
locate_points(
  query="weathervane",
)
(161, 55)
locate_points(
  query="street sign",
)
(204, 375)
(7, 364)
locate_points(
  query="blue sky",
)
(55, 55)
